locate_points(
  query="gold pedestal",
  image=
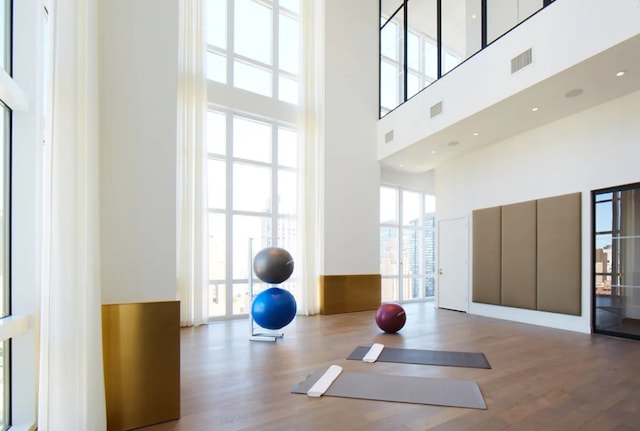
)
(348, 293)
(141, 349)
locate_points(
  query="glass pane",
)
(388, 205)
(253, 30)
(251, 188)
(288, 90)
(244, 228)
(603, 197)
(5, 214)
(430, 287)
(217, 67)
(422, 51)
(449, 61)
(5, 35)
(287, 237)
(503, 15)
(389, 289)
(413, 51)
(241, 301)
(217, 304)
(389, 38)
(414, 84)
(461, 31)
(429, 211)
(289, 44)
(429, 252)
(287, 192)
(604, 216)
(5, 379)
(252, 78)
(389, 259)
(287, 147)
(430, 60)
(216, 184)
(216, 247)
(410, 252)
(292, 5)
(251, 140)
(411, 288)
(390, 77)
(411, 208)
(216, 132)
(216, 25)
(604, 241)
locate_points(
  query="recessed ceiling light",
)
(453, 143)
(535, 109)
(573, 93)
(402, 165)
(433, 151)
(620, 73)
(473, 16)
(475, 133)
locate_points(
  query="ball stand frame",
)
(257, 332)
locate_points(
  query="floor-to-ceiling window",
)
(616, 261)
(253, 68)
(23, 49)
(5, 220)
(407, 244)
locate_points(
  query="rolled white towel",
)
(373, 353)
(323, 383)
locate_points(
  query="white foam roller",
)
(323, 383)
(373, 353)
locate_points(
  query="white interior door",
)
(453, 264)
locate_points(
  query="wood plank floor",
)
(541, 378)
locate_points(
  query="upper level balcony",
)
(565, 58)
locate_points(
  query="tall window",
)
(407, 244)
(5, 218)
(253, 68)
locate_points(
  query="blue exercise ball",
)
(273, 308)
(273, 265)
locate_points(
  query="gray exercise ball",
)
(273, 265)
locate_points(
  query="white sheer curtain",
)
(71, 382)
(311, 158)
(192, 100)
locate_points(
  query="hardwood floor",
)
(541, 378)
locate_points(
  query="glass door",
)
(616, 261)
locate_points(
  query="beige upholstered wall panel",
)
(486, 255)
(519, 255)
(559, 248)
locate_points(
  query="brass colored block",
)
(348, 293)
(141, 351)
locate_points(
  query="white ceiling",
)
(596, 77)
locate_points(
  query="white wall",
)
(138, 92)
(594, 149)
(558, 39)
(424, 182)
(351, 172)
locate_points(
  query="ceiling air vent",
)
(436, 109)
(521, 60)
(388, 137)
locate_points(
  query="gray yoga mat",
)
(401, 389)
(425, 357)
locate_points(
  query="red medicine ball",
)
(390, 317)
